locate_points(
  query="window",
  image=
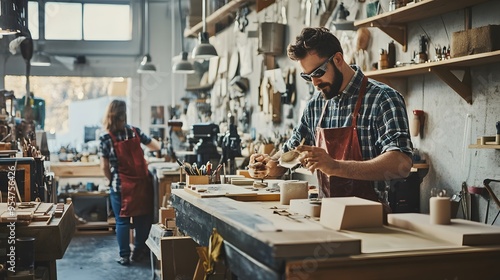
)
(33, 19)
(82, 21)
(62, 93)
(99, 25)
(63, 21)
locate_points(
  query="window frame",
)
(130, 47)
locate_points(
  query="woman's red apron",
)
(343, 144)
(136, 188)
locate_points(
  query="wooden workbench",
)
(260, 244)
(51, 240)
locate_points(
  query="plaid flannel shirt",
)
(382, 122)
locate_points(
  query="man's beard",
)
(334, 86)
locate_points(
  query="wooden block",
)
(350, 212)
(242, 181)
(171, 224)
(459, 232)
(244, 173)
(196, 180)
(304, 207)
(166, 214)
(44, 208)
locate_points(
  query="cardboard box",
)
(350, 212)
(196, 180)
(476, 40)
(179, 257)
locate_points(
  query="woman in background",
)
(131, 193)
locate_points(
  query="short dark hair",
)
(318, 39)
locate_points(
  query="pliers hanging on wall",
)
(241, 20)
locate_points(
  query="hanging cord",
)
(445, 30)
(182, 25)
(427, 35)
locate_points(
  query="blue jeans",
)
(142, 225)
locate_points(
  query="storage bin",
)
(196, 180)
(476, 40)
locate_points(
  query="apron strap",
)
(113, 137)
(322, 113)
(362, 91)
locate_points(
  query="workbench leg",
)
(152, 259)
(51, 268)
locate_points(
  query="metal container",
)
(25, 255)
(271, 38)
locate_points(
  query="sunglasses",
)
(318, 72)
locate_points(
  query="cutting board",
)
(232, 191)
(459, 232)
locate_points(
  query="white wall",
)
(445, 137)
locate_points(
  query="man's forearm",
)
(390, 165)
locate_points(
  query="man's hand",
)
(263, 163)
(387, 166)
(314, 158)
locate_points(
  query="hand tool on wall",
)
(307, 18)
(328, 13)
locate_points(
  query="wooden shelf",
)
(420, 166)
(443, 69)
(477, 146)
(393, 23)
(216, 17)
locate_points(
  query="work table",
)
(259, 243)
(52, 237)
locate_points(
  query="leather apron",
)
(136, 187)
(343, 144)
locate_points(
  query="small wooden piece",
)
(59, 210)
(305, 207)
(459, 232)
(350, 212)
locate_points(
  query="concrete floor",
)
(92, 255)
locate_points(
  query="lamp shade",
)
(10, 17)
(40, 59)
(183, 66)
(147, 65)
(204, 50)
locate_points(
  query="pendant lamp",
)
(10, 17)
(204, 50)
(183, 66)
(147, 65)
(40, 59)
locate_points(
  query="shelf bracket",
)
(462, 87)
(398, 33)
